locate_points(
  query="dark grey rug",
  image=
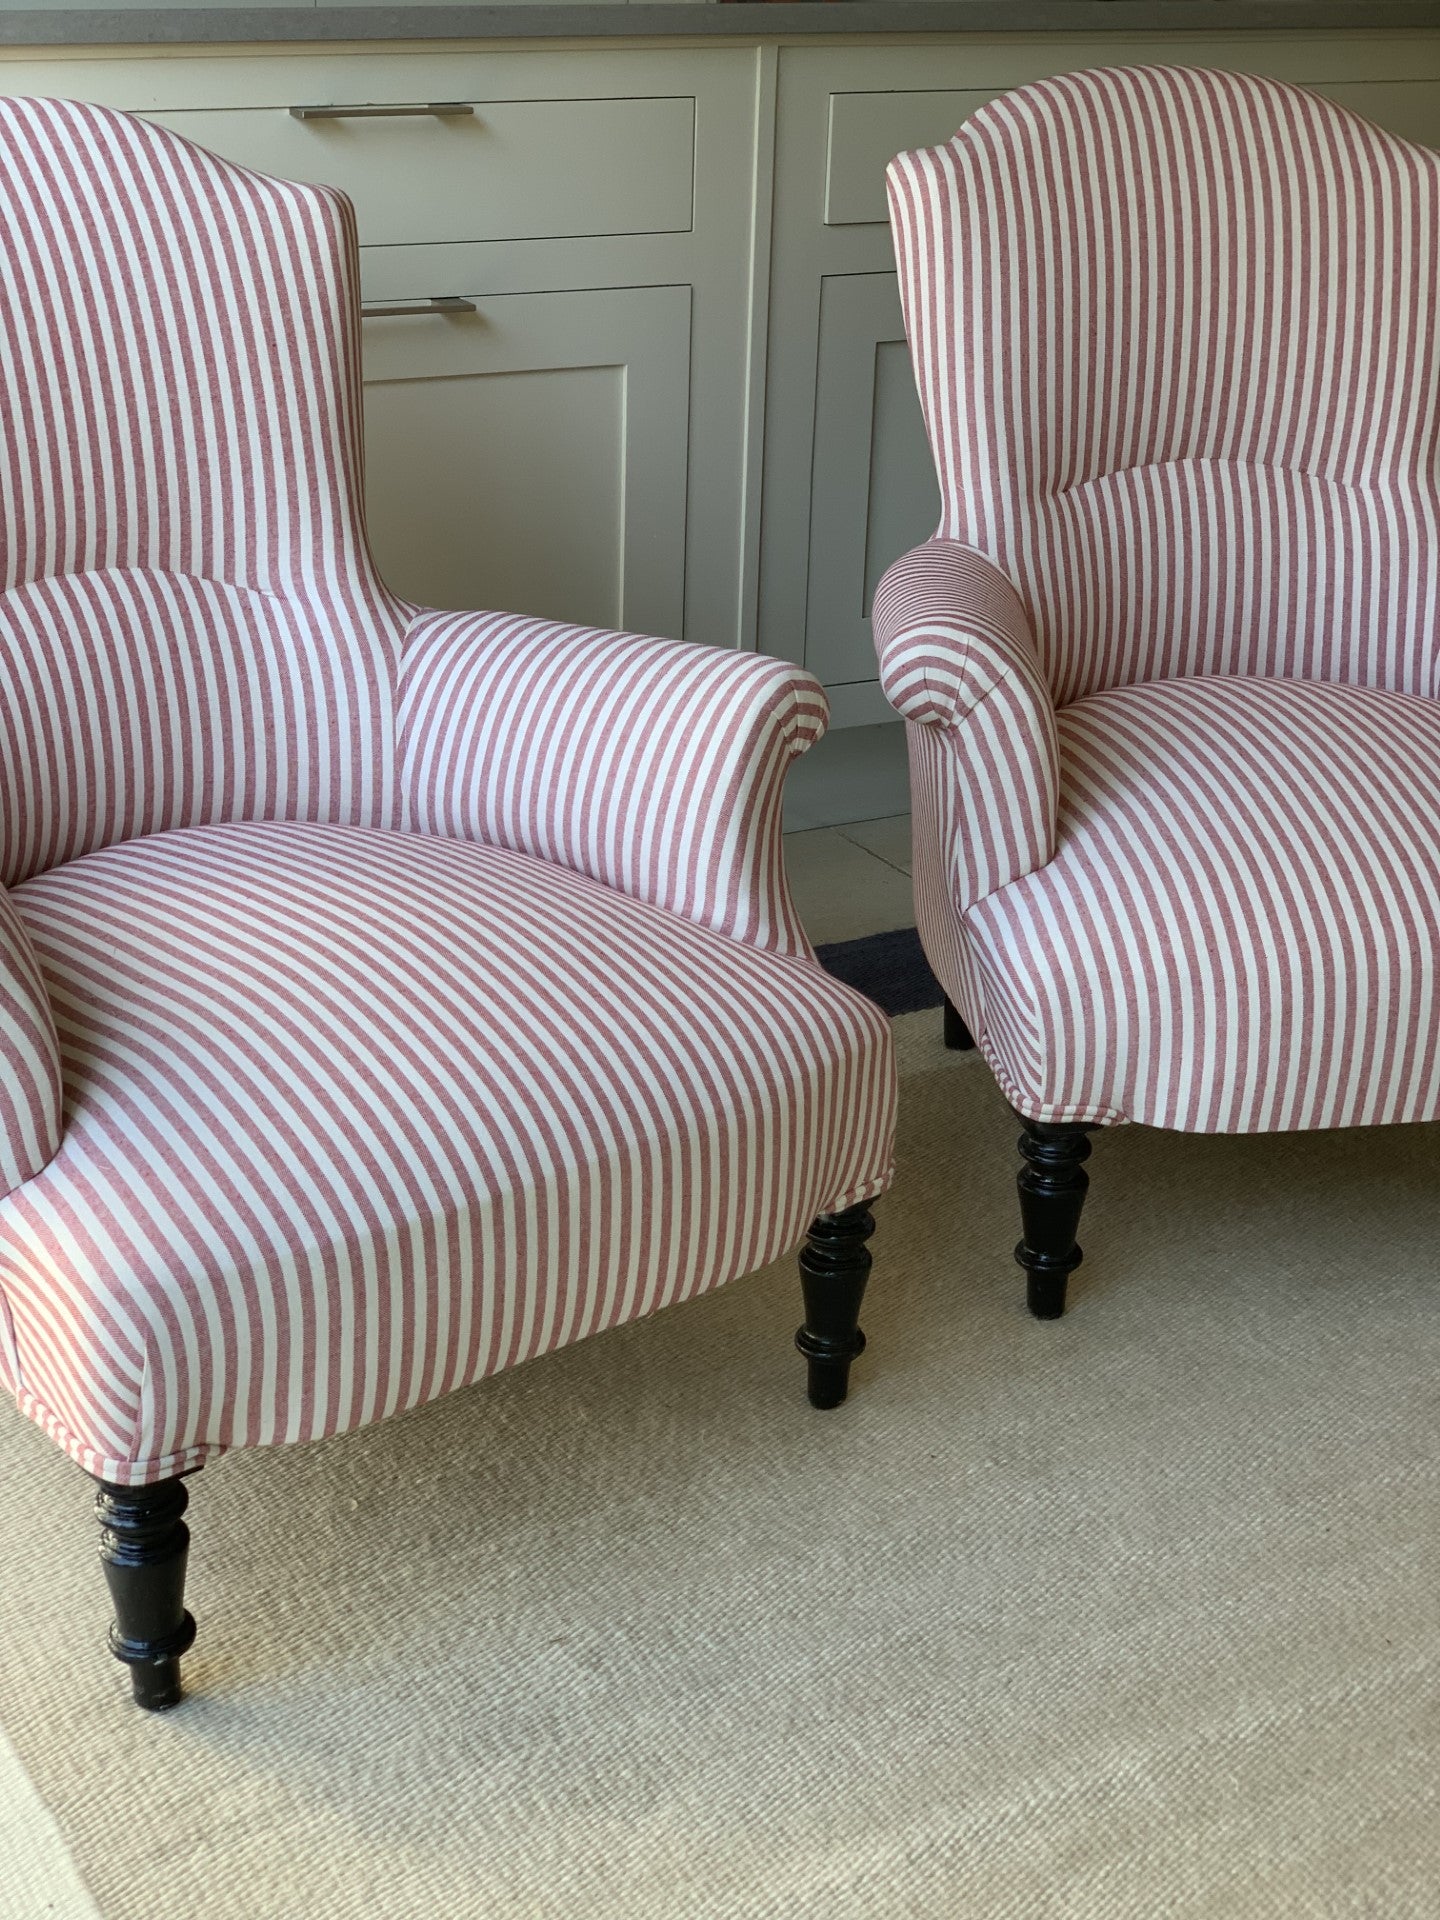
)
(888, 968)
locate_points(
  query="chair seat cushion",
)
(1240, 929)
(355, 1117)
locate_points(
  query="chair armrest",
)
(654, 766)
(957, 655)
(30, 1091)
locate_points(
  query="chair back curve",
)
(190, 626)
(1175, 338)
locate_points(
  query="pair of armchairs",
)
(388, 996)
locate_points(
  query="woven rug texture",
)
(1136, 1614)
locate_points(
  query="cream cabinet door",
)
(874, 494)
(531, 455)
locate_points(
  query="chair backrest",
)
(190, 627)
(1175, 338)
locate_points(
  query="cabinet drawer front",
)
(867, 130)
(511, 170)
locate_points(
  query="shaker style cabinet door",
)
(874, 494)
(530, 454)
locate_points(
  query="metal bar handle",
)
(437, 109)
(437, 303)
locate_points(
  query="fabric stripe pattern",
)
(190, 624)
(1240, 932)
(957, 654)
(356, 1117)
(1175, 338)
(626, 759)
(30, 1089)
(182, 570)
(322, 1090)
(1175, 333)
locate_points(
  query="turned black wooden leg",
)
(1052, 1183)
(958, 1037)
(143, 1546)
(834, 1266)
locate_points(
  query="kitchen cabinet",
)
(678, 397)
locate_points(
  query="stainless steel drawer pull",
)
(437, 109)
(437, 303)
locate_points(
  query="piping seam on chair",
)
(102, 1465)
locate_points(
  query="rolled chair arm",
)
(957, 656)
(654, 766)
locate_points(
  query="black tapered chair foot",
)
(1052, 1184)
(157, 1688)
(144, 1545)
(958, 1037)
(834, 1266)
(827, 1372)
(155, 1683)
(1045, 1292)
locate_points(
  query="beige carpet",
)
(1133, 1615)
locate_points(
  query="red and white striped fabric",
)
(355, 1117)
(1175, 338)
(957, 658)
(1240, 931)
(190, 627)
(30, 1091)
(360, 1100)
(1175, 333)
(631, 760)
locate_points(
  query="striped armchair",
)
(386, 996)
(1170, 662)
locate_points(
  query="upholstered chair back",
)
(1181, 374)
(190, 628)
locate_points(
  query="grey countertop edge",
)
(573, 20)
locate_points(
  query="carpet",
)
(1132, 1614)
(889, 968)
